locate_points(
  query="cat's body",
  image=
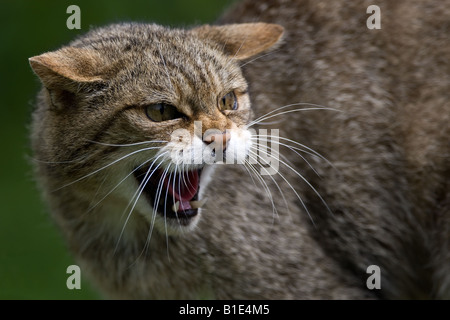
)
(385, 133)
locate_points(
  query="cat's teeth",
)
(198, 204)
(176, 206)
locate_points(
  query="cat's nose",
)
(223, 138)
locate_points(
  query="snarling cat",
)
(358, 120)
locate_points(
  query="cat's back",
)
(406, 52)
(388, 141)
(395, 76)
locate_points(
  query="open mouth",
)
(174, 195)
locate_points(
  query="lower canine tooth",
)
(198, 204)
(176, 206)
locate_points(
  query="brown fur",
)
(387, 141)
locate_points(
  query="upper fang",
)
(198, 204)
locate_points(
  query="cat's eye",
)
(228, 102)
(162, 112)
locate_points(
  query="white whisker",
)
(106, 166)
(134, 199)
(126, 144)
(173, 188)
(292, 148)
(264, 185)
(259, 57)
(165, 221)
(273, 113)
(303, 148)
(156, 204)
(117, 185)
(307, 182)
(298, 196)
(270, 175)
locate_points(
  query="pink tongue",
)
(182, 188)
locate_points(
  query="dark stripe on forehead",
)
(208, 64)
(197, 71)
(185, 78)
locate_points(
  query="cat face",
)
(146, 112)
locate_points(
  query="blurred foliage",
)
(33, 257)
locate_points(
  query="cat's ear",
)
(65, 71)
(67, 66)
(242, 40)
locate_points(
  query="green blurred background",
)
(33, 257)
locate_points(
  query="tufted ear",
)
(242, 40)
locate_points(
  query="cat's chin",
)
(174, 196)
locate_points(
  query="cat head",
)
(149, 110)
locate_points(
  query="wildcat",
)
(363, 151)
